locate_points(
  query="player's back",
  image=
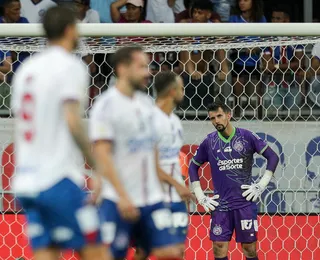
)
(45, 150)
(127, 122)
(169, 141)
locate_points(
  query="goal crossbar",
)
(177, 29)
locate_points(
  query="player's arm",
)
(201, 156)
(72, 115)
(182, 190)
(254, 191)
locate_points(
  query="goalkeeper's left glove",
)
(253, 192)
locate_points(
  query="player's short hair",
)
(163, 81)
(56, 20)
(202, 5)
(123, 56)
(218, 104)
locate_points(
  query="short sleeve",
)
(259, 145)
(201, 155)
(74, 82)
(100, 124)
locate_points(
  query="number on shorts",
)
(162, 219)
(180, 219)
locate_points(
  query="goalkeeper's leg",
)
(250, 250)
(220, 250)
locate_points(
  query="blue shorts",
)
(153, 229)
(180, 218)
(59, 217)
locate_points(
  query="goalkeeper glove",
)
(253, 192)
(208, 203)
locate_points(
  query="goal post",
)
(264, 72)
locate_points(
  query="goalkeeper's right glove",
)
(208, 203)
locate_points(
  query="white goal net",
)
(269, 75)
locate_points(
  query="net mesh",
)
(271, 84)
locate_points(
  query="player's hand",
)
(209, 203)
(185, 194)
(127, 210)
(252, 192)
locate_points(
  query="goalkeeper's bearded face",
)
(220, 119)
(137, 71)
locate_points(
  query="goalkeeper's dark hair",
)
(218, 104)
(163, 82)
(123, 56)
(202, 5)
(56, 20)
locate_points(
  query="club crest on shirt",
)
(238, 146)
(217, 230)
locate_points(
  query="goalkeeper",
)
(230, 151)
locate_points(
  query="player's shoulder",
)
(175, 119)
(106, 101)
(212, 135)
(105, 106)
(246, 133)
(145, 99)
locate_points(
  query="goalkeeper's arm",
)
(208, 203)
(272, 163)
(254, 191)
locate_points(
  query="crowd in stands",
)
(275, 77)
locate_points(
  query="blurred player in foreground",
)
(122, 130)
(230, 151)
(48, 101)
(170, 93)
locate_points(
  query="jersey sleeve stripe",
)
(195, 162)
(263, 149)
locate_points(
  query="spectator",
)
(85, 13)
(196, 64)
(282, 64)
(222, 8)
(186, 15)
(313, 75)
(103, 8)
(5, 69)
(134, 13)
(160, 11)
(11, 12)
(34, 10)
(246, 61)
